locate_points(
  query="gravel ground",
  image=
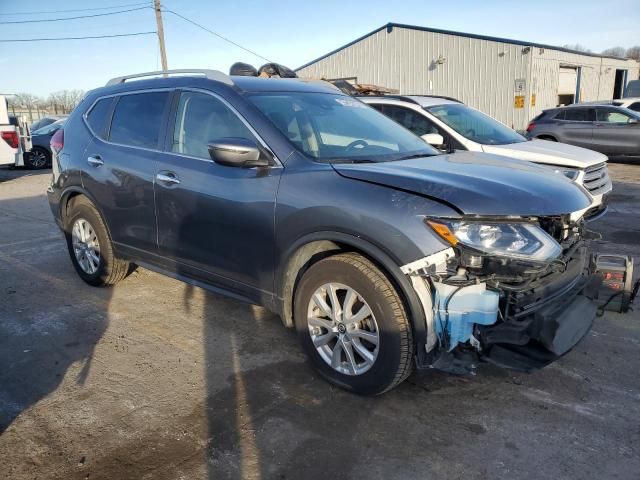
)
(157, 379)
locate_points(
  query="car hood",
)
(551, 153)
(477, 183)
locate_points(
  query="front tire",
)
(90, 247)
(352, 324)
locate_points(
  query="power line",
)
(60, 19)
(76, 38)
(216, 34)
(77, 9)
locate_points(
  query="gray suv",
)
(382, 253)
(607, 129)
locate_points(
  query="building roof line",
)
(391, 25)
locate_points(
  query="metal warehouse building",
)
(510, 80)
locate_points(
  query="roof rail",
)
(210, 74)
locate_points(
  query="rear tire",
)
(90, 246)
(37, 159)
(365, 354)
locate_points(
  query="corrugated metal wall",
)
(481, 73)
(597, 76)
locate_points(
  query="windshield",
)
(475, 125)
(331, 127)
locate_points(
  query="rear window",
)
(97, 118)
(635, 107)
(137, 119)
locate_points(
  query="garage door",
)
(567, 81)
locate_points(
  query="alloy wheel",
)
(86, 247)
(343, 329)
(38, 159)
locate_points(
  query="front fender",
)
(309, 245)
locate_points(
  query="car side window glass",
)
(410, 120)
(560, 115)
(137, 119)
(577, 115)
(635, 107)
(97, 117)
(611, 116)
(202, 119)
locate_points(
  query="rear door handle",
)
(168, 177)
(95, 160)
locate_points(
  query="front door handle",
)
(167, 177)
(95, 160)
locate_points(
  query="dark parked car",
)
(40, 154)
(44, 121)
(607, 129)
(380, 251)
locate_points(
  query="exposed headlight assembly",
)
(517, 240)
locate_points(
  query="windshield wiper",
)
(416, 155)
(353, 160)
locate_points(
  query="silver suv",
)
(608, 129)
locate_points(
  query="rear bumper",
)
(54, 203)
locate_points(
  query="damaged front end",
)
(516, 292)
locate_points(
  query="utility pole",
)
(163, 52)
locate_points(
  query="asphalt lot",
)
(157, 379)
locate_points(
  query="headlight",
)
(519, 240)
(570, 173)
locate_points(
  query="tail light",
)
(57, 141)
(531, 127)
(11, 138)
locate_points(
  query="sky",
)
(288, 32)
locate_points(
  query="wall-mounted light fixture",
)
(440, 60)
(526, 50)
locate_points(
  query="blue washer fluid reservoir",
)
(468, 305)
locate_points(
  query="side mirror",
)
(238, 152)
(434, 139)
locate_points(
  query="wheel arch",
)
(77, 191)
(312, 248)
(547, 136)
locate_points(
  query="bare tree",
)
(64, 101)
(26, 100)
(577, 47)
(614, 52)
(634, 53)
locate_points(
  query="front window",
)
(612, 116)
(475, 125)
(202, 119)
(331, 127)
